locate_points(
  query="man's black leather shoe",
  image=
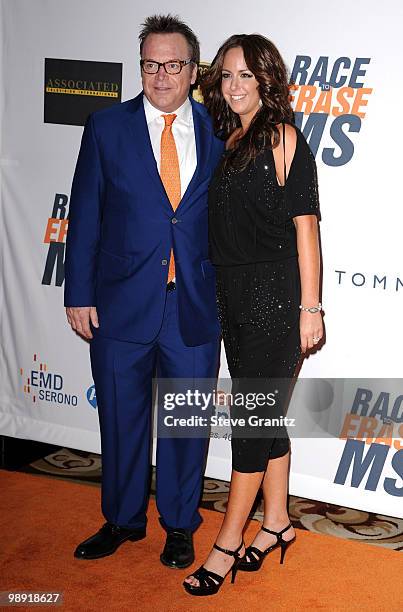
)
(107, 540)
(178, 551)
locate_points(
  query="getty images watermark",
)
(247, 410)
(360, 409)
(198, 399)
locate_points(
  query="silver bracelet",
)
(312, 309)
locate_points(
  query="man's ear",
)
(194, 74)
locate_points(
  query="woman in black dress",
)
(263, 210)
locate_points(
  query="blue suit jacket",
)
(122, 228)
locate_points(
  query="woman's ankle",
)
(276, 523)
(230, 540)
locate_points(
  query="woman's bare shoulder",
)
(291, 136)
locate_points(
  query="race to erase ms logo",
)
(41, 384)
(374, 432)
(55, 236)
(330, 100)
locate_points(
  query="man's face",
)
(167, 92)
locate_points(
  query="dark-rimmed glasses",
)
(171, 67)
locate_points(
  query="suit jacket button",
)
(164, 262)
(174, 220)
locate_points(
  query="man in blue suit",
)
(140, 287)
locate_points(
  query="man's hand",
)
(79, 318)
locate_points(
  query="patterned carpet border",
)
(315, 516)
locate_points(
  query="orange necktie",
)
(170, 176)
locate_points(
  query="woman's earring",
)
(260, 102)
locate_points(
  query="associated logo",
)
(330, 96)
(374, 430)
(42, 384)
(91, 397)
(74, 89)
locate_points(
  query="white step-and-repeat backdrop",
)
(62, 59)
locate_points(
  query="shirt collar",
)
(183, 113)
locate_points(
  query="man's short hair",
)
(170, 24)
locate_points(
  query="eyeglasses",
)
(172, 67)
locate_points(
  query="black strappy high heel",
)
(257, 556)
(210, 582)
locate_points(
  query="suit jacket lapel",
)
(203, 137)
(142, 145)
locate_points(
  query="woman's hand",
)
(311, 329)
(310, 323)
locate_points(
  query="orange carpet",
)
(43, 519)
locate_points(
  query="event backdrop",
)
(61, 60)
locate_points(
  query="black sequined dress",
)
(254, 249)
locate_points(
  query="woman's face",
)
(239, 86)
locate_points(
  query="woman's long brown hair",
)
(265, 62)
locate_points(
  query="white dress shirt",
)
(183, 132)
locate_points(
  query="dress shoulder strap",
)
(285, 184)
(285, 167)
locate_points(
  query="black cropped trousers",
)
(259, 312)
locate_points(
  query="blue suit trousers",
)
(123, 374)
